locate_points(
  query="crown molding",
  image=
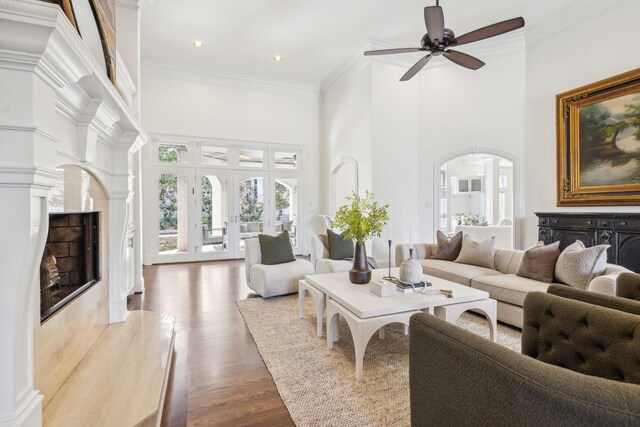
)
(351, 67)
(572, 16)
(230, 79)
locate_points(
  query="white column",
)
(120, 280)
(26, 175)
(138, 249)
(128, 42)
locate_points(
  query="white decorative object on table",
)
(382, 288)
(410, 270)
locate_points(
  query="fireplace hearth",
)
(71, 260)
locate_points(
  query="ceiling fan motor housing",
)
(448, 38)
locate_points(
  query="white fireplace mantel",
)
(57, 108)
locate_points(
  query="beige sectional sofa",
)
(501, 283)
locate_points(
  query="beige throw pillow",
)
(478, 253)
(578, 265)
(539, 262)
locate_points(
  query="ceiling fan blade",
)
(490, 31)
(434, 20)
(416, 67)
(391, 51)
(463, 59)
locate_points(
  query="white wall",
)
(569, 59)
(461, 109)
(236, 109)
(395, 108)
(347, 122)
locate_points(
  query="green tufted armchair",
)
(580, 366)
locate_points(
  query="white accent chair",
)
(321, 261)
(272, 280)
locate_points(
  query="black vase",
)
(360, 273)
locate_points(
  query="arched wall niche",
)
(345, 180)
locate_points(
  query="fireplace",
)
(71, 260)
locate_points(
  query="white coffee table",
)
(366, 313)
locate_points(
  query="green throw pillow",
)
(339, 247)
(276, 249)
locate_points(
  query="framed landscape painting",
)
(598, 151)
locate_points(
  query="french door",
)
(209, 214)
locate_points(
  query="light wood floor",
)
(218, 377)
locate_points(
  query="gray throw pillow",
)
(448, 249)
(539, 262)
(339, 247)
(478, 253)
(577, 265)
(276, 249)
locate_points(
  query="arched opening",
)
(476, 192)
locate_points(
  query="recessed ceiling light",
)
(277, 58)
(197, 43)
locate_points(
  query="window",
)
(172, 153)
(251, 158)
(286, 160)
(216, 156)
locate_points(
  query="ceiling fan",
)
(438, 40)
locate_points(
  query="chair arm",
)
(595, 298)
(628, 286)
(459, 378)
(420, 251)
(252, 255)
(318, 251)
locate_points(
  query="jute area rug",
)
(318, 385)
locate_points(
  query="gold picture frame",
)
(598, 143)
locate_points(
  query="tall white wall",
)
(461, 109)
(395, 180)
(233, 108)
(347, 123)
(572, 57)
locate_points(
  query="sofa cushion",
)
(539, 262)
(448, 249)
(507, 261)
(578, 265)
(508, 287)
(459, 273)
(339, 246)
(276, 249)
(476, 252)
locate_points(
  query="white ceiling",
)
(315, 37)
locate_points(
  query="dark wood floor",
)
(218, 377)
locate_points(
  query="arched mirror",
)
(476, 196)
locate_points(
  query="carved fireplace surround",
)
(57, 108)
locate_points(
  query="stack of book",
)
(408, 287)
